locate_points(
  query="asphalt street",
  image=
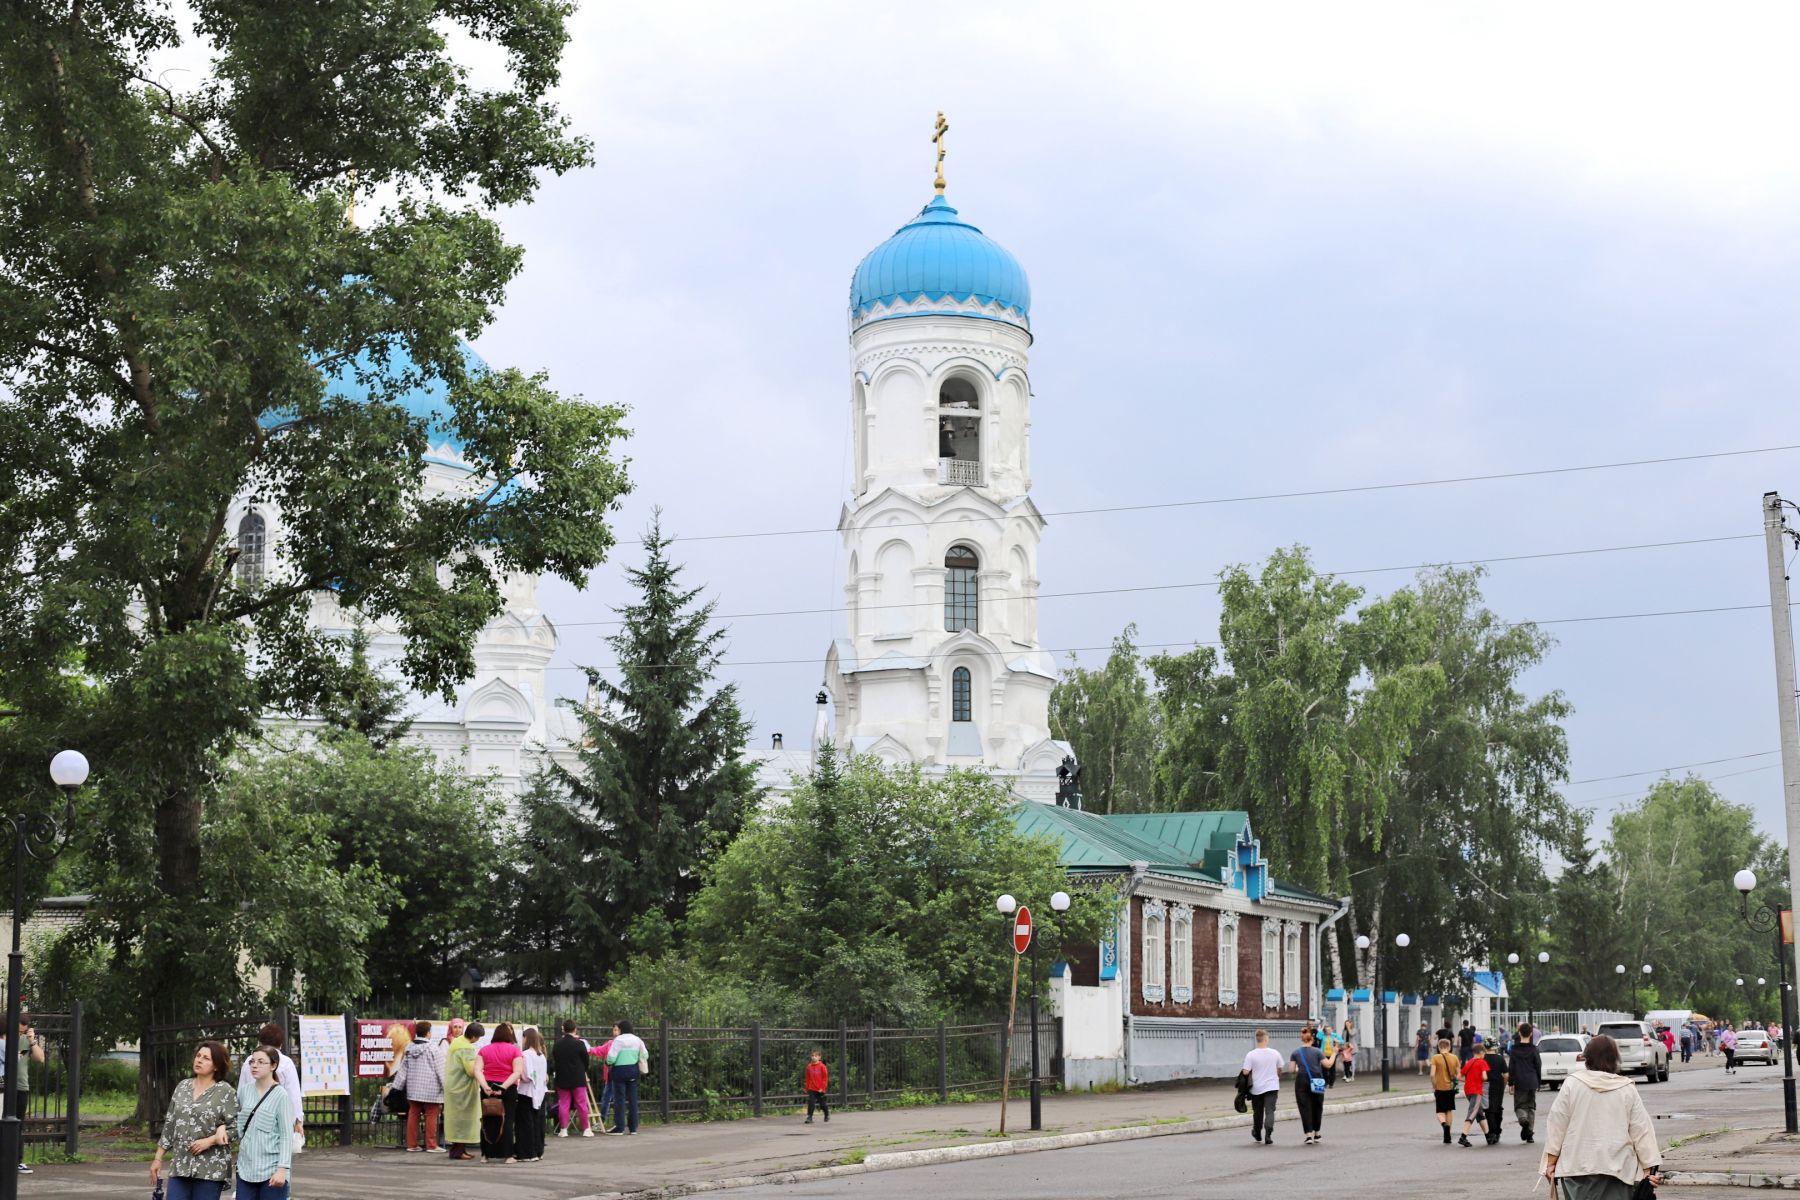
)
(1377, 1155)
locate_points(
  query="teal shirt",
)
(265, 1139)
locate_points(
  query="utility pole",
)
(1780, 615)
(1776, 533)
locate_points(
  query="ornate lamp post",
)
(1381, 1007)
(39, 836)
(1059, 902)
(1620, 972)
(1514, 960)
(1778, 922)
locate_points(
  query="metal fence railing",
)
(50, 1106)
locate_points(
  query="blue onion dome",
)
(938, 263)
(427, 400)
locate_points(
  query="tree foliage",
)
(177, 280)
(870, 891)
(1108, 716)
(621, 839)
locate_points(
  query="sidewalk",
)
(1727, 1130)
(672, 1159)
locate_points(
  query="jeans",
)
(261, 1191)
(1262, 1114)
(822, 1099)
(623, 1093)
(183, 1188)
(1525, 1108)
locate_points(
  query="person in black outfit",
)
(1309, 1064)
(1527, 1074)
(1496, 1089)
(1465, 1042)
(569, 1075)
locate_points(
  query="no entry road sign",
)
(1022, 930)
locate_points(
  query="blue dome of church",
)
(427, 401)
(939, 255)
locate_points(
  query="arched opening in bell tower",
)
(959, 432)
(962, 598)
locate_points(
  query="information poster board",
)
(374, 1052)
(324, 1057)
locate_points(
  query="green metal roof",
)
(1089, 839)
(1204, 839)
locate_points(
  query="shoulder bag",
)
(1316, 1082)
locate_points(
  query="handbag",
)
(1645, 1190)
(395, 1100)
(493, 1106)
(1317, 1082)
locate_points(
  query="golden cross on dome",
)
(943, 127)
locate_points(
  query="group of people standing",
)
(208, 1116)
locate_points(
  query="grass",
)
(854, 1158)
(108, 1103)
(1677, 1143)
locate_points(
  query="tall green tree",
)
(618, 842)
(870, 893)
(1197, 754)
(1108, 716)
(363, 701)
(177, 280)
(1584, 942)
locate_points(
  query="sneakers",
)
(563, 1132)
(588, 1132)
(1464, 1140)
(24, 1170)
(808, 1121)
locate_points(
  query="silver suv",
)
(1640, 1050)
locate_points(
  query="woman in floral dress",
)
(202, 1113)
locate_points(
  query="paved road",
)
(1376, 1155)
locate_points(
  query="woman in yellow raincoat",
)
(462, 1093)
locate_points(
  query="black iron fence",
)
(50, 1102)
(705, 1072)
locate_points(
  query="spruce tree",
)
(360, 699)
(621, 840)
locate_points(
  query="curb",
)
(1744, 1179)
(938, 1155)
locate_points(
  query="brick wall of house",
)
(1205, 1002)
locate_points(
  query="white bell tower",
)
(942, 664)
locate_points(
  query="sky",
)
(1272, 248)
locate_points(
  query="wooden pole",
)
(1012, 1005)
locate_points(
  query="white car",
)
(1560, 1054)
(1754, 1043)
(1640, 1050)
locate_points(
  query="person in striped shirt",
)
(265, 1138)
(625, 1062)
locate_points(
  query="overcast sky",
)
(1271, 248)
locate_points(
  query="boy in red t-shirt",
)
(818, 1084)
(1474, 1076)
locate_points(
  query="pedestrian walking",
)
(1346, 1051)
(420, 1077)
(202, 1114)
(1446, 1070)
(569, 1070)
(1262, 1073)
(1474, 1079)
(1728, 1046)
(286, 1074)
(462, 1093)
(1465, 1042)
(816, 1079)
(1310, 1082)
(1687, 1042)
(1422, 1049)
(264, 1129)
(625, 1057)
(502, 1066)
(1599, 1141)
(534, 1085)
(1497, 1074)
(1527, 1077)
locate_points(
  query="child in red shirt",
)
(818, 1084)
(1474, 1076)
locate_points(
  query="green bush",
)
(112, 1075)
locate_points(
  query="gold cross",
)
(943, 127)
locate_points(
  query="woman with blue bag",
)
(1310, 1081)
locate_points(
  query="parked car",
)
(1640, 1050)
(1755, 1043)
(1561, 1056)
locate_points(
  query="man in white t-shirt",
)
(1263, 1066)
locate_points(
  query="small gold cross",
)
(943, 127)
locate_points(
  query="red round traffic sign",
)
(1022, 930)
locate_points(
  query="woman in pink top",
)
(502, 1066)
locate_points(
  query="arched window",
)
(1228, 958)
(962, 696)
(1154, 969)
(959, 432)
(962, 608)
(252, 540)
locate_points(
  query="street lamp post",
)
(1514, 960)
(35, 835)
(1766, 920)
(1381, 1008)
(1059, 902)
(1620, 972)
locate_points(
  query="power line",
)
(814, 660)
(1676, 767)
(1703, 779)
(1533, 473)
(1213, 583)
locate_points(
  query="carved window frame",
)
(1228, 958)
(1153, 970)
(1271, 963)
(1181, 953)
(1290, 957)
